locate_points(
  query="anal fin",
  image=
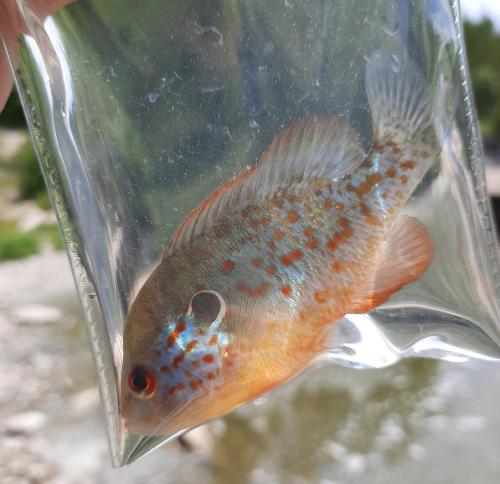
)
(407, 254)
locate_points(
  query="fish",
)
(254, 279)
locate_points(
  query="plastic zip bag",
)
(137, 123)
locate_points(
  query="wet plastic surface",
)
(138, 122)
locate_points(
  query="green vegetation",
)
(31, 184)
(12, 115)
(16, 244)
(483, 49)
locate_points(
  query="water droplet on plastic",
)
(268, 48)
(396, 66)
(262, 399)
(153, 96)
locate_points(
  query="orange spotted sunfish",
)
(255, 277)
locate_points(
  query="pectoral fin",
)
(407, 254)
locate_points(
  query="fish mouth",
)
(153, 421)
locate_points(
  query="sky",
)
(476, 10)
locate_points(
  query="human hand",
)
(12, 24)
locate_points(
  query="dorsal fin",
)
(407, 254)
(319, 147)
(400, 99)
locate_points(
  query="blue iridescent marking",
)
(189, 358)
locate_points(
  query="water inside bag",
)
(136, 123)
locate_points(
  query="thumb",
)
(6, 79)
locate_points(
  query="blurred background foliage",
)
(483, 49)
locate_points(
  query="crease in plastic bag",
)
(137, 122)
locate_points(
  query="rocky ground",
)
(420, 420)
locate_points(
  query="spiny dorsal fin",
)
(319, 147)
(407, 254)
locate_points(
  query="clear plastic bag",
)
(140, 111)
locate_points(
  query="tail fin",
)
(399, 98)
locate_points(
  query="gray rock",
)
(25, 423)
(84, 402)
(37, 314)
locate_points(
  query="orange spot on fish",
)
(408, 165)
(368, 163)
(271, 270)
(328, 204)
(378, 148)
(293, 217)
(309, 232)
(264, 221)
(188, 373)
(403, 179)
(367, 213)
(318, 192)
(213, 340)
(367, 185)
(256, 263)
(291, 257)
(191, 345)
(341, 236)
(241, 287)
(201, 332)
(194, 385)
(260, 291)
(396, 150)
(286, 290)
(337, 266)
(271, 245)
(390, 173)
(278, 235)
(344, 223)
(179, 328)
(208, 358)
(228, 265)
(210, 376)
(312, 244)
(321, 297)
(165, 369)
(177, 361)
(195, 364)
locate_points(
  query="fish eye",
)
(142, 382)
(207, 306)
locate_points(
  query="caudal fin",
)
(400, 100)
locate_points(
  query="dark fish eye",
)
(207, 306)
(142, 382)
